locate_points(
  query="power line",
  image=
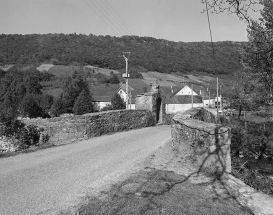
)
(101, 17)
(213, 52)
(118, 16)
(115, 18)
(210, 30)
(102, 11)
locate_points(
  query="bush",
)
(252, 177)
(83, 103)
(57, 107)
(30, 108)
(250, 142)
(21, 136)
(29, 136)
(117, 102)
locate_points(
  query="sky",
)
(174, 20)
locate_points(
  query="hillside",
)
(104, 51)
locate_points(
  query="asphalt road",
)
(50, 180)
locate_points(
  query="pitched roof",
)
(136, 87)
(98, 98)
(169, 91)
(103, 93)
(183, 99)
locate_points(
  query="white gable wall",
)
(209, 103)
(174, 108)
(123, 96)
(99, 105)
(186, 91)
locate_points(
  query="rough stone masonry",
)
(204, 143)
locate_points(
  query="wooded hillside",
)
(104, 51)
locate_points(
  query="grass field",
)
(102, 70)
(175, 79)
(60, 70)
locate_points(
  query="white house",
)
(136, 87)
(181, 99)
(100, 102)
(186, 90)
(122, 93)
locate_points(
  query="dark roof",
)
(103, 93)
(169, 91)
(136, 87)
(183, 99)
(200, 88)
(97, 98)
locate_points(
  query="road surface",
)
(54, 179)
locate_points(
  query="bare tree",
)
(239, 7)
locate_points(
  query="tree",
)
(30, 108)
(117, 102)
(32, 85)
(239, 7)
(258, 53)
(242, 93)
(57, 107)
(83, 103)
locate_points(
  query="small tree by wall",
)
(117, 102)
(57, 107)
(30, 108)
(83, 103)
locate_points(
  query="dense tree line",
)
(150, 53)
(20, 94)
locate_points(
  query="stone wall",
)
(206, 144)
(153, 101)
(67, 129)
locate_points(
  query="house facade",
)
(136, 87)
(100, 102)
(181, 99)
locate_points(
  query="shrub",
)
(251, 177)
(117, 102)
(83, 103)
(29, 136)
(30, 108)
(57, 107)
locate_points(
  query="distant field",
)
(60, 70)
(102, 70)
(44, 67)
(174, 79)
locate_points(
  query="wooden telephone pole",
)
(126, 75)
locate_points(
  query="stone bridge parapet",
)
(198, 138)
(66, 129)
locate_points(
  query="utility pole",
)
(221, 101)
(126, 58)
(191, 96)
(217, 99)
(209, 96)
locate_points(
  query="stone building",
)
(153, 101)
